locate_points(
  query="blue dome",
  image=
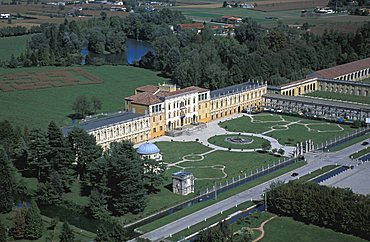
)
(148, 149)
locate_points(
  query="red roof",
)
(191, 26)
(344, 69)
(144, 98)
(147, 88)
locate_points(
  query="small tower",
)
(150, 151)
(183, 182)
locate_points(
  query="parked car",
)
(294, 174)
(365, 143)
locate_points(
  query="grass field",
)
(316, 173)
(360, 153)
(174, 151)
(285, 229)
(341, 96)
(350, 142)
(36, 108)
(219, 140)
(12, 45)
(287, 129)
(292, 16)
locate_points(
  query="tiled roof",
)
(184, 90)
(144, 98)
(95, 123)
(191, 26)
(344, 69)
(147, 88)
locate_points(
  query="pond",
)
(135, 50)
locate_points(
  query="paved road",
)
(315, 161)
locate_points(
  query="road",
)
(315, 161)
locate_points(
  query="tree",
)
(7, 183)
(13, 62)
(18, 229)
(67, 233)
(96, 103)
(266, 145)
(85, 150)
(61, 155)
(102, 234)
(34, 225)
(81, 106)
(3, 234)
(39, 151)
(281, 151)
(125, 179)
(98, 205)
(153, 174)
(118, 234)
(47, 194)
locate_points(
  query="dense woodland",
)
(336, 208)
(117, 182)
(276, 55)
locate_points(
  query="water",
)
(135, 50)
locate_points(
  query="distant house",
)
(231, 19)
(193, 26)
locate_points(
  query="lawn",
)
(175, 151)
(316, 173)
(350, 142)
(12, 45)
(286, 229)
(288, 130)
(219, 140)
(367, 80)
(234, 163)
(199, 226)
(36, 108)
(360, 153)
(341, 96)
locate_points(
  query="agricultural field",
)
(290, 15)
(12, 45)
(37, 107)
(287, 130)
(341, 97)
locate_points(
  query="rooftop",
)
(92, 124)
(144, 98)
(191, 26)
(147, 88)
(182, 174)
(234, 89)
(344, 69)
(320, 101)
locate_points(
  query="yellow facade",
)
(204, 111)
(300, 87)
(157, 125)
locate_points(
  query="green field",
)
(318, 23)
(12, 45)
(175, 151)
(219, 140)
(287, 129)
(360, 153)
(36, 108)
(285, 229)
(342, 97)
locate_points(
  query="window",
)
(154, 130)
(160, 128)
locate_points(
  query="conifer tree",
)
(125, 179)
(85, 150)
(3, 235)
(118, 234)
(102, 234)
(18, 229)
(67, 233)
(39, 152)
(34, 225)
(7, 184)
(61, 155)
